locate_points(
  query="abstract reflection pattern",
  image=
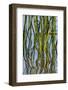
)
(39, 44)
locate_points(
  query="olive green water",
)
(39, 44)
